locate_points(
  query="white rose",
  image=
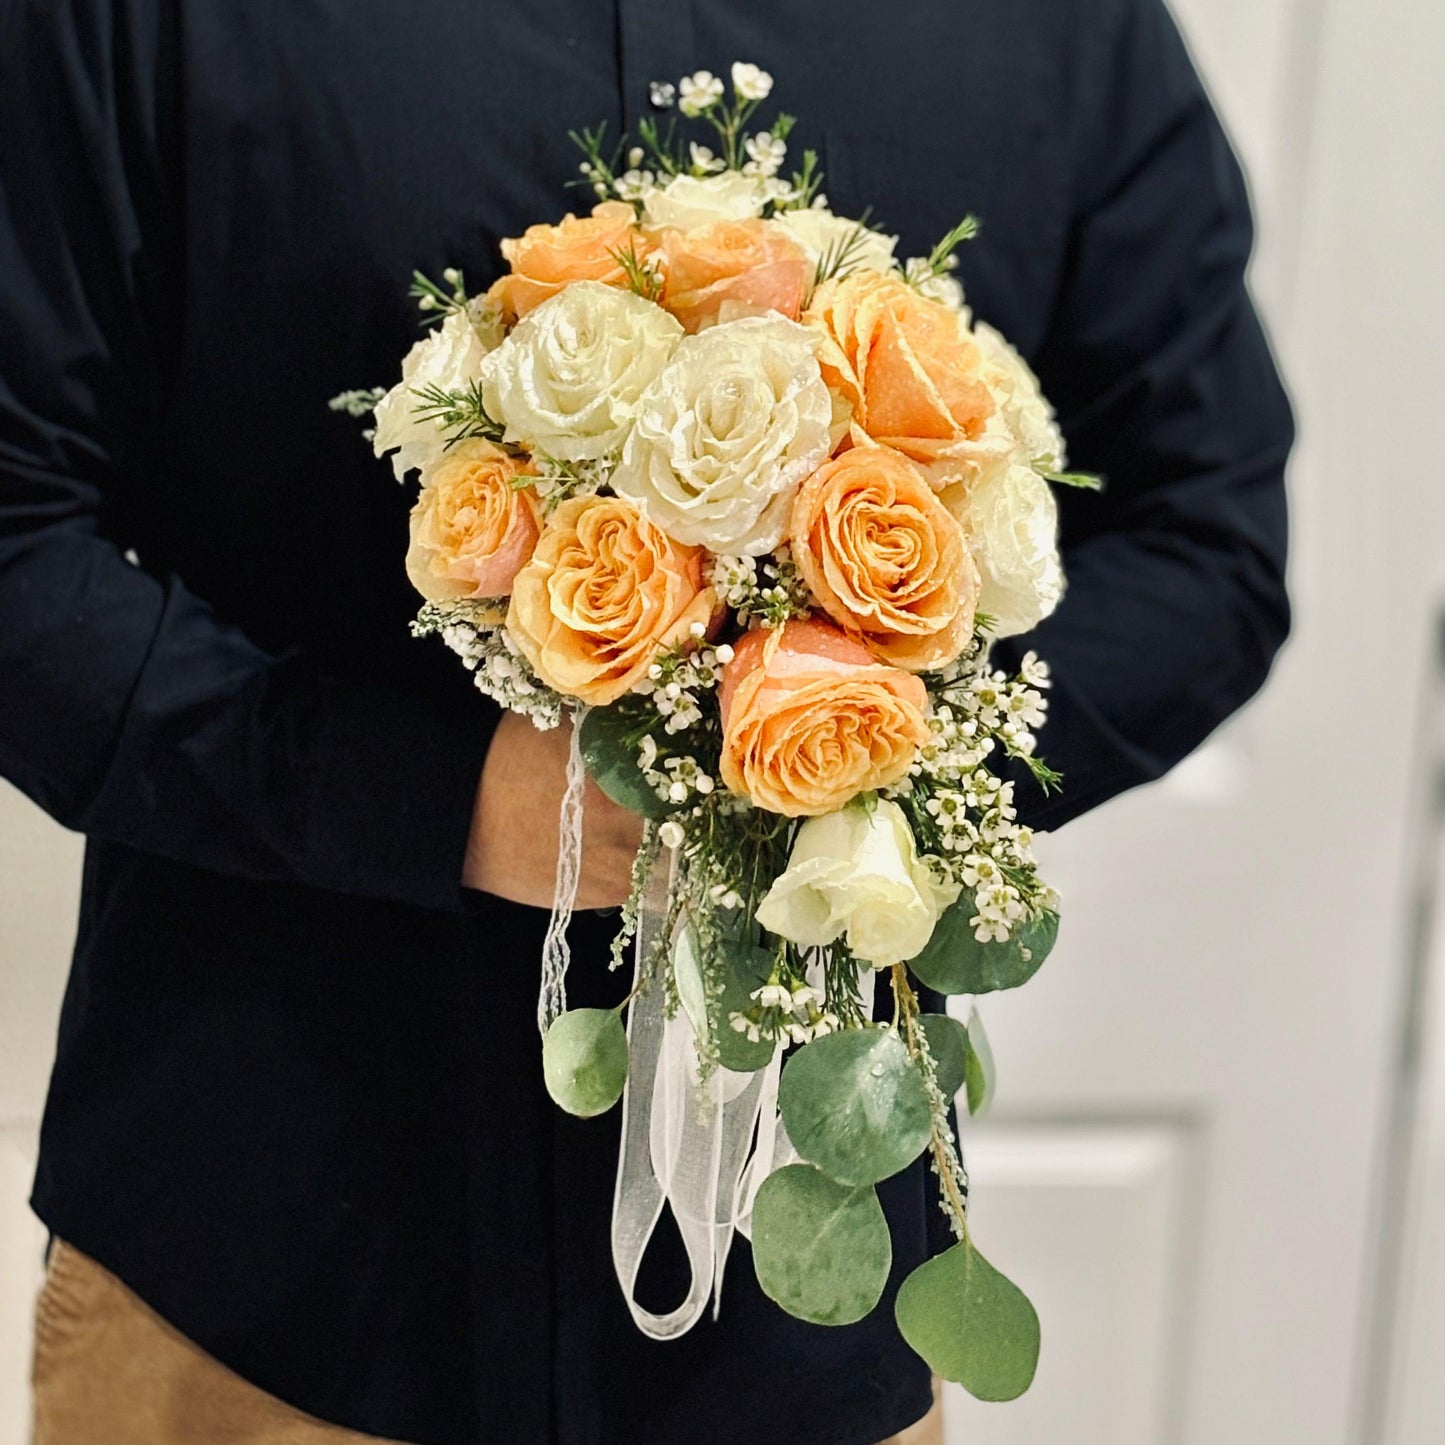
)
(819, 232)
(1012, 524)
(449, 357)
(566, 381)
(857, 872)
(1023, 409)
(690, 201)
(733, 423)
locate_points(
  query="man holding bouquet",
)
(302, 1177)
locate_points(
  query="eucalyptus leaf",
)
(971, 1324)
(855, 1105)
(954, 961)
(821, 1249)
(979, 1072)
(687, 974)
(584, 1060)
(948, 1043)
(609, 752)
(745, 968)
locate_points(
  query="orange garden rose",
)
(884, 558)
(906, 364)
(812, 719)
(472, 527)
(746, 262)
(604, 592)
(544, 259)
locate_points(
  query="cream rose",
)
(473, 526)
(734, 421)
(687, 202)
(810, 720)
(1022, 406)
(1020, 432)
(820, 233)
(566, 381)
(1011, 521)
(604, 592)
(857, 873)
(449, 357)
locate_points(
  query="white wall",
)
(39, 889)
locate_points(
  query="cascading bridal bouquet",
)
(713, 473)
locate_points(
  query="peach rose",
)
(604, 592)
(812, 719)
(755, 266)
(473, 526)
(544, 258)
(908, 366)
(884, 558)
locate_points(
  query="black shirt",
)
(297, 1103)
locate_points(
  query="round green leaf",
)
(745, 968)
(584, 1060)
(979, 1073)
(971, 1324)
(821, 1249)
(855, 1105)
(609, 752)
(954, 961)
(948, 1043)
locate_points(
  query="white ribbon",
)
(686, 1146)
(556, 954)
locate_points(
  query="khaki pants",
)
(109, 1371)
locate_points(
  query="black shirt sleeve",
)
(128, 710)
(1165, 384)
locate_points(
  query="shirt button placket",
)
(657, 46)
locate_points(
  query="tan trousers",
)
(109, 1371)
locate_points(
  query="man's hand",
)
(512, 850)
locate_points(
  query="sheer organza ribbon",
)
(556, 953)
(700, 1150)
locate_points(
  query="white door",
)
(1184, 1167)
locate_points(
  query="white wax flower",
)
(449, 357)
(857, 872)
(735, 420)
(750, 82)
(566, 381)
(819, 232)
(1012, 524)
(690, 201)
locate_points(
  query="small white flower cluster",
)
(676, 680)
(357, 403)
(704, 162)
(750, 82)
(699, 92)
(674, 780)
(633, 184)
(792, 1014)
(557, 480)
(1009, 708)
(974, 710)
(766, 154)
(475, 632)
(766, 589)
